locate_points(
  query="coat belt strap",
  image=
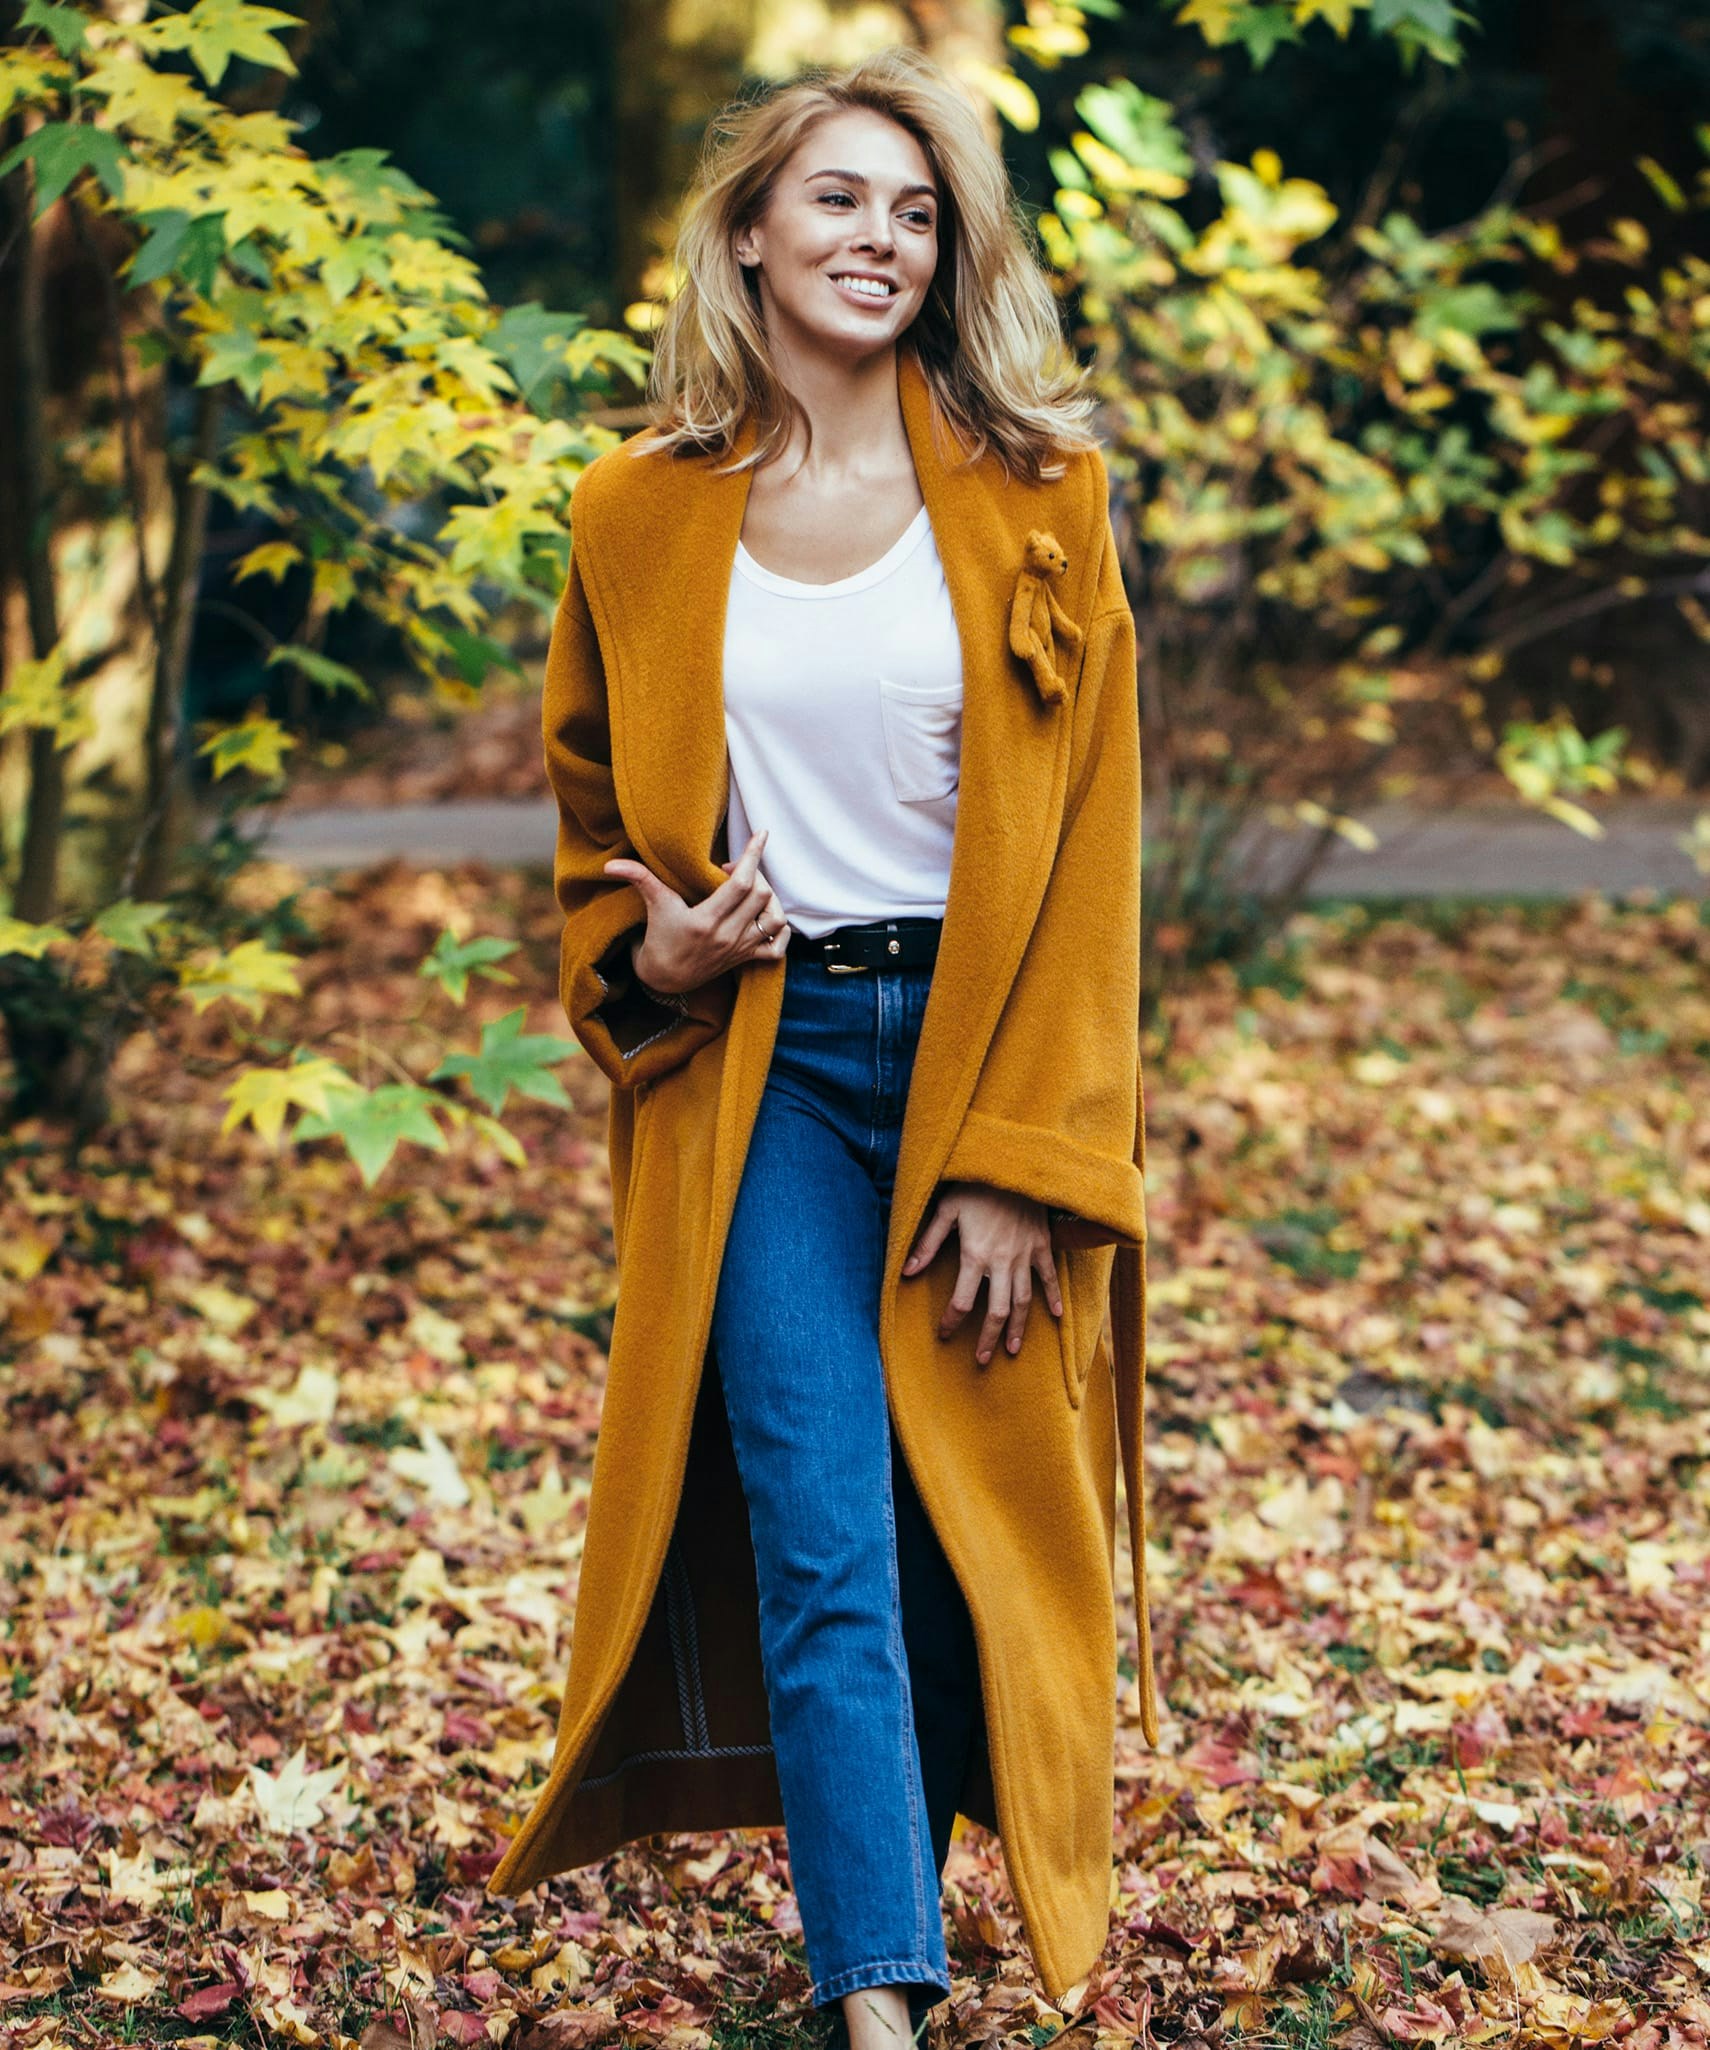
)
(1128, 1334)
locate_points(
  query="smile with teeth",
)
(865, 288)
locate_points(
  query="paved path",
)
(1474, 851)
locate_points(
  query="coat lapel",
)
(658, 584)
(1015, 750)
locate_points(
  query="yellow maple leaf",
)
(427, 268)
(38, 695)
(129, 1984)
(311, 1399)
(264, 1095)
(248, 975)
(150, 103)
(335, 584)
(30, 74)
(223, 1307)
(1013, 97)
(1215, 19)
(257, 744)
(271, 559)
(464, 358)
(540, 1508)
(215, 31)
(19, 936)
(1338, 13)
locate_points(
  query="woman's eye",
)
(836, 195)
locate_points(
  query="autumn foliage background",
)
(1400, 322)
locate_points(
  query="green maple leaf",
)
(319, 668)
(1428, 17)
(1475, 309)
(530, 342)
(474, 654)
(511, 1059)
(66, 26)
(238, 357)
(60, 150)
(1262, 30)
(169, 237)
(375, 180)
(129, 925)
(373, 1123)
(453, 961)
(1137, 126)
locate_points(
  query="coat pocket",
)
(1083, 1275)
(1068, 1330)
(923, 738)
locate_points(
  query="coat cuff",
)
(1103, 1190)
(630, 1036)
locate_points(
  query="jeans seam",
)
(909, 1742)
(907, 1733)
(876, 1103)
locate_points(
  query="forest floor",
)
(293, 1479)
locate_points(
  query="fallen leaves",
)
(296, 1482)
(288, 1802)
(432, 1467)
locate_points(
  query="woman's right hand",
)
(687, 945)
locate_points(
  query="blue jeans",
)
(871, 1675)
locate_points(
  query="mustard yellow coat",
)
(1026, 1076)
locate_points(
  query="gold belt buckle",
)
(845, 967)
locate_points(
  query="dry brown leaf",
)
(1504, 1938)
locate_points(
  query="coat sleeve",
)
(632, 1038)
(1055, 1113)
(1058, 1112)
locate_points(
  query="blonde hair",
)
(987, 336)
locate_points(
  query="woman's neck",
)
(852, 408)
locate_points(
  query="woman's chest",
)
(810, 652)
(854, 673)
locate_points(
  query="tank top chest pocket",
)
(923, 738)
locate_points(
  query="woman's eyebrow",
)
(859, 178)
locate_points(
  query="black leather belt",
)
(885, 943)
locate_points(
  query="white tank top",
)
(843, 721)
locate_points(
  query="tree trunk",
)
(37, 892)
(166, 806)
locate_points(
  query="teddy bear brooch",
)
(1038, 625)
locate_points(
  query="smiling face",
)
(847, 246)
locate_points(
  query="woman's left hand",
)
(1004, 1238)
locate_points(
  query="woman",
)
(841, 716)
